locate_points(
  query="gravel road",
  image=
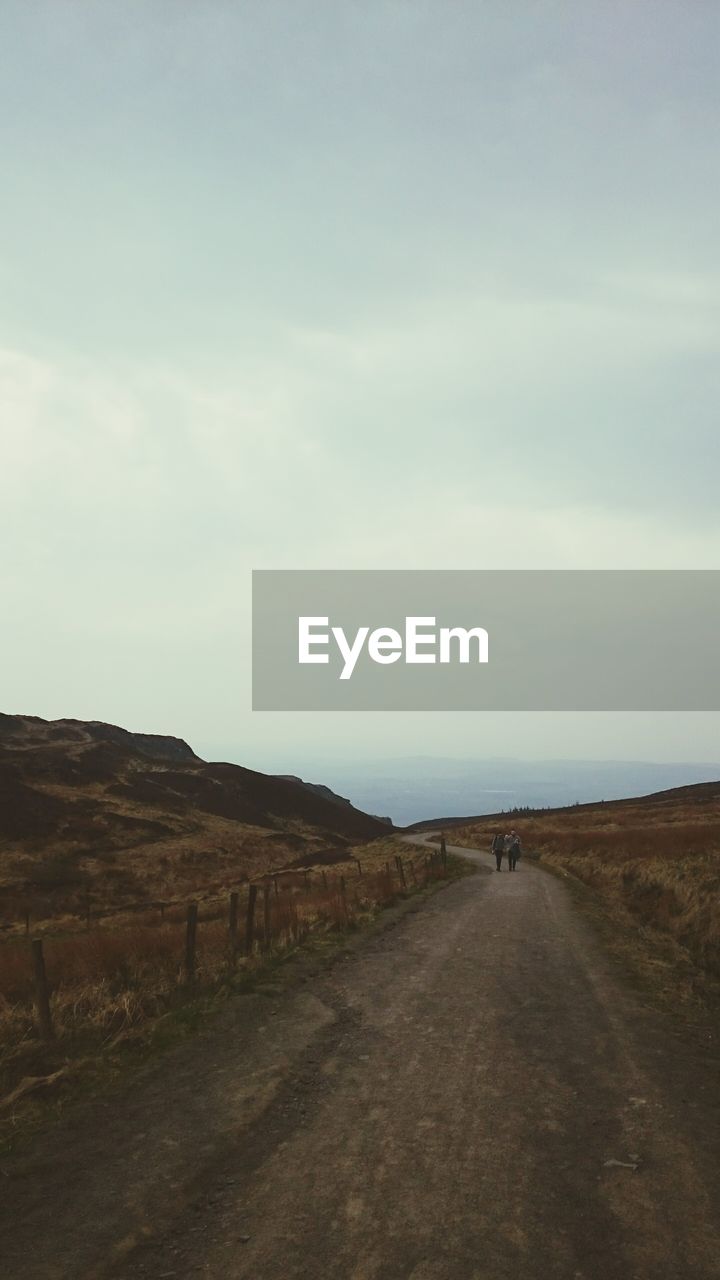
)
(475, 1093)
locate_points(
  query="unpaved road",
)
(459, 1099)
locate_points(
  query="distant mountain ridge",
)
(699, 794)
(317, 787)
(322, 790)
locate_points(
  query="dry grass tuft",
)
(658, 858)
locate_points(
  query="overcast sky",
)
(345, 283)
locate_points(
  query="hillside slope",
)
(655, 859)
(91, 808)
(695, 795)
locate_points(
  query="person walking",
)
(498, 848)
(513, 849)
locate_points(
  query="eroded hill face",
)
(89, 808)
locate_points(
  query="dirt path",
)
(463, 1098)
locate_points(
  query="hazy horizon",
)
(415, 788)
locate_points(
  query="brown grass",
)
(658, 859)
(125, 971)
(91, 816)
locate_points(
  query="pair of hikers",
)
(509, 844)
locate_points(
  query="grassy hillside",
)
(657, 857)
(92, 816)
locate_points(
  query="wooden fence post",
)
(359, 866)
(443, 850)
(190, 938)
(266, 915)
(412, 870)
(42, 992)
(250, 923)
(401, 871)
(233, 921)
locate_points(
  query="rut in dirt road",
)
(480, 1098)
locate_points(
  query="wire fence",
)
(110, 977)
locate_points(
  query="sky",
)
(379, 284)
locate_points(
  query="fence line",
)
(88, 911)
(287, 917)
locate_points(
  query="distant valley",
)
(413, 788)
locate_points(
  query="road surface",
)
(473, 1094)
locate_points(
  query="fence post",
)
(412, 870)
(249, 926)
(443, 850)
(401, 871)
(42, 992)
(233, 921)
(190, 937)
(359, 866)
(266, 915)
